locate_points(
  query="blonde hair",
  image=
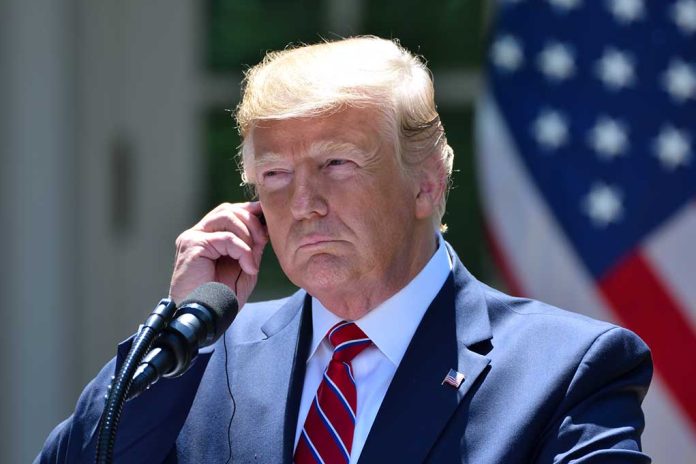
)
(358, 72)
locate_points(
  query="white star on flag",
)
(626, 11)
(603, 204)
(615, 69)
(684, 15)
(673, 147)
(506, 53)
(680, 81)
(601, 116)
(556, 62)
(609, 138)
(565, 5)
(550, 130)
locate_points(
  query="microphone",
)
(200, 321)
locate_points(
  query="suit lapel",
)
(273, 369)
(454, 323)
(297, 380)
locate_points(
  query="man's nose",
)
(307, 197)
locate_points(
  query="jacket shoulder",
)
(542, 315)
(247, 326)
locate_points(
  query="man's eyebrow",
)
(316, 149)
(266, 158)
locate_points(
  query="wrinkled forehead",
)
(353, 131)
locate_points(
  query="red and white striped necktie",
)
(327, 436)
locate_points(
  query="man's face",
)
(341, 214)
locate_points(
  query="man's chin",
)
(322, 272)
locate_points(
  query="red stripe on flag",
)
(642, 303)
(514, 286)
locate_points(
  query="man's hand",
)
(225, 246)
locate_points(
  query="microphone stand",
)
(121, 383)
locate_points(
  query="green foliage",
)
(239, 32)
(448, 33)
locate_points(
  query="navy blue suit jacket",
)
(541, 385)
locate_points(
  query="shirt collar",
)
(391, 325)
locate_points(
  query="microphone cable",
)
(229, 384)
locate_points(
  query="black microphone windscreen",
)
(220, 300)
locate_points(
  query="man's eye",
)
(337, 162)
(274, 178)
(272, 173)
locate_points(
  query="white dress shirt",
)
(390, 326)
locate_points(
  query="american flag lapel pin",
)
(453, 378)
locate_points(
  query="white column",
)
(37, 193)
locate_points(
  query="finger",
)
(229, 222)
(258, 230)
(241, 218)
(214, 245)
(210, 245)
(254, 207)
(223, 209)
(252, 213)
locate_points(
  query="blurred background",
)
(116, 135)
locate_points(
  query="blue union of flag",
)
(588, 177)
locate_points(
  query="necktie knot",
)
(348, 341)
(327, 435)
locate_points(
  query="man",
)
(392, 351)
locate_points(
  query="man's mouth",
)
(314, 240)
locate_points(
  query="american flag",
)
(586, 156)
(453, 378)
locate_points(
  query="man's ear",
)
(430, 184)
